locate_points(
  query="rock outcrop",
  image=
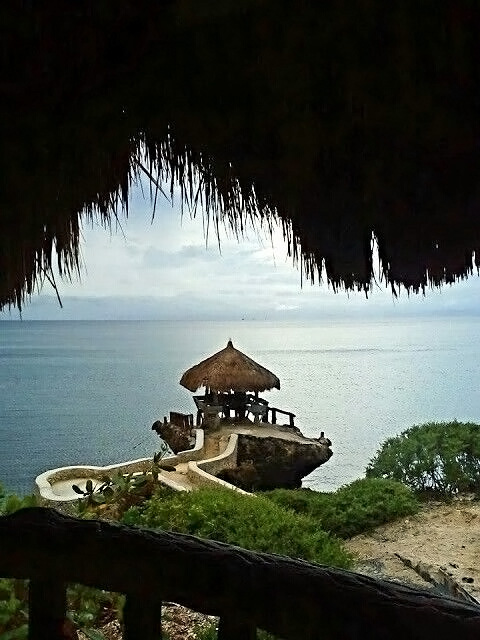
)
(245, 476)
(274, 462)
(178, 437)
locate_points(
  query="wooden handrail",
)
(292, 599)
(275, 410)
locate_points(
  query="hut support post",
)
(274, 416)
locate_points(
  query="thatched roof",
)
(229, 370)
(343, 120)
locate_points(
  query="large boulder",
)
(178, 437)
(277, 462)
(245, 476)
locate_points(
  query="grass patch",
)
(255, 523)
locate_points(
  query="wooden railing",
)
(180, 419)
(292, 599)
(273, 418)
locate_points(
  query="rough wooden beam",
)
(142, 618)
(47, 608)
(292, 599)
(233, 627)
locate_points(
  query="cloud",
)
(157, 258)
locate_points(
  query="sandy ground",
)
(440, 535)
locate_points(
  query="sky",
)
(171, 267)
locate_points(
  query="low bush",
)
(11, 503)
(438, 458)
(251, 522)
(303, 501)
(13, 610)
(357, 507)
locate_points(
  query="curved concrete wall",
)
(44, 482)
(202, 473)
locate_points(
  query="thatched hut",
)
(228, 376)
(344, 121)
(229, 370)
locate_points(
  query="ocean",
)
(88, 392)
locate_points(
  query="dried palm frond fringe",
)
(344, 121)
(229, 370)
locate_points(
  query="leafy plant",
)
(250, 522)
(11, 503)
(90, 608)
(121, 490)
(95, 494)
(357, 507)
(436, 458)
(13, 610)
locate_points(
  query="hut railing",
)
(273, 415)
(292, 599)
(181, 419)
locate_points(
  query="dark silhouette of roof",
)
(344, 121)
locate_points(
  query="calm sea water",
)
(88, 392)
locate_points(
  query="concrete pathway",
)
(214, 444)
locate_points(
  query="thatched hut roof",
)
(229, 370)
(343, 120)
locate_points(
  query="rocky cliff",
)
(178, 437)
(271, 462)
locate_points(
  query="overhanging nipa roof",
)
(341, 120)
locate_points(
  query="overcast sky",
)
(169, 269)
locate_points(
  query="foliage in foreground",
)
(355, 508)
(113, 495)
(438, 458)
(86, 607)
(251, 522)
(13, 609)
(210, 632)
(11, 503)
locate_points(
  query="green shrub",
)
(304, 501)
(13, 610)
(438, 458)
(352, 509)
(11, 503)
(365, 504)
(251, 522)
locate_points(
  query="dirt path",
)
(441, 535)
